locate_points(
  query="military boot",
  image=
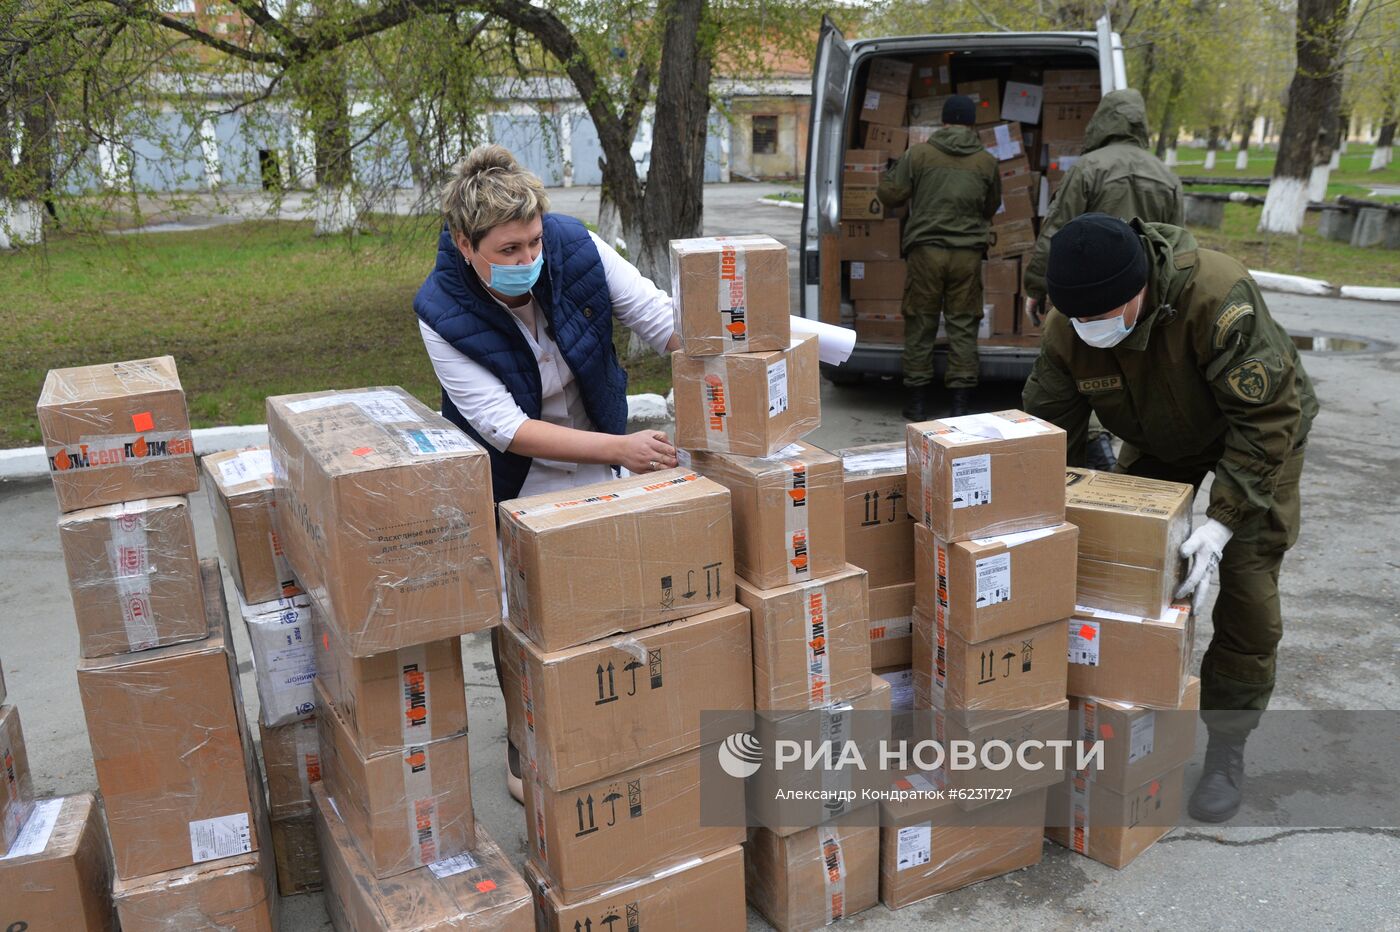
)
(1217, 796)
(916, 403)
(962, 401)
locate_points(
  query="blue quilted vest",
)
(572, 294)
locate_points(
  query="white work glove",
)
(1203, 548)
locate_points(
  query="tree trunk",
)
(1326, 142)
(1212, 144)
(28, 188)
(1380, 158)
(324, 93)
(673, 205)
(1247, 117)
(1167, 137)
(1317, 38)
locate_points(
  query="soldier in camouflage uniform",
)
(1173, 348)
(953, 189)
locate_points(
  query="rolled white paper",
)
(834, 344)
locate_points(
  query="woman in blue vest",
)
(517, 317)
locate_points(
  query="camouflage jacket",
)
(953, 189)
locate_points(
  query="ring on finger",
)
(654, 465)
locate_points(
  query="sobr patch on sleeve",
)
(1249, 381)
(1227, 319)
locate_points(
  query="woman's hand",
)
(646, 451)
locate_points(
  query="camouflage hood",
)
(1120, 118)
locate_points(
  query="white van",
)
(838, 85)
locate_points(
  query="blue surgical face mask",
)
(515, 280)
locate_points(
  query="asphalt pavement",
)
(1341, 650)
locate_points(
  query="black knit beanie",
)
(959, 109)
(1097, 263)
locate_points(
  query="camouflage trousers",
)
(947, 284)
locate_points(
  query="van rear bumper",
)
(1012, 363)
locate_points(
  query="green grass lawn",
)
(1307, 254)
(247, 310)
(1351, 178)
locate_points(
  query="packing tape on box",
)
(940, 617)
(281, 566)
(796, 508)
(616, 496)
(420, 803)
(531, 769)
(714, 399)
(834, 864)
(103, 451)
(308, 751)
(889, 629)
(417, 718)
(818, 662)
(733, 293)
(837, 781)
(1079, 812)
(129, 557)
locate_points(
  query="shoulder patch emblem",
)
(1103, 383)
(1249, 381)
(1227, 319)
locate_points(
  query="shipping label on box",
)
(292, 762)
(1138, 742)
(617, 703)
(284, 657)
(814, 877)
(241, 499)
(870, 239)
(170, 744)
(618, 556)
(134, 575)
(16, 787)
(883, 107)
(730, 294)
(985, 474)
(406, 808)
(1003, 140)
(625, 828)
(412, 695)
(811, 641)
(58, 874)
(1006, 674)
(788, 523)
(711, 886)
(1142, 661)
(238, 892)
(385, 513)
(117, 433)
(752, 404)
(475, 890)
(993, 586)
(1110, 827)
(1021, 102)
(891, 626)
(879, 528)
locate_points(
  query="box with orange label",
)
(241, 499)
(1143, 661)
(892, 626)
(787, 510)
(730, 294)
(1138, 742)
(815, 877)
(1114, 827)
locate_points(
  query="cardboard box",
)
(1142, 661)
(889, 74)
(922, 854)
(297, 855)
(1016, 206)
(16, 786)
(883, 107)
(480, 891)
(788, 521)
(1021, 102)
(1003, 314)
(412, 695)
(993, 586)
(1066, 121)
(1072, 86)
(172, 750)
(892, 139)
(241, 498)
(1013, 238)
(1003, 140)
(858, 202)
(877, 280)
(985, 474)
(238, 894)
(117, 432)
(932, 76)
(1044, 724)
(880, 328)
(864, 166)
(1110, 827)
(284, 657)
(617, 556)
(928, 111)
(384, 511)
(815, 877)
(1001, 276)
(811, 641)
(879, 528)
(626, 827)
(921, 132)
(292, 763)
(892, 625)
(618, 703)
(870, 239)
(711, 887)
(879, 308)
(2, 684)
(754, 404)
(730, 294)
(60, 875)
(133, 574)
(1139, 743)
(977, 683)
(1130, 535)
(407, 808)
(987, 93)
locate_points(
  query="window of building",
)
(765, 135)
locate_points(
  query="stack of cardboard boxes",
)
(1035, 127)
(384, 513)
(1129, 666)
(994, 583)
(621, 628)
(158, 679)
(277, 616)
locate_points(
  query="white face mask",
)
(1104, 334)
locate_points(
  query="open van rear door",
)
(1113, 74)
(821, 207)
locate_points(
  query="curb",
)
(795, 205)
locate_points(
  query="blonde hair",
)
(489, 188)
